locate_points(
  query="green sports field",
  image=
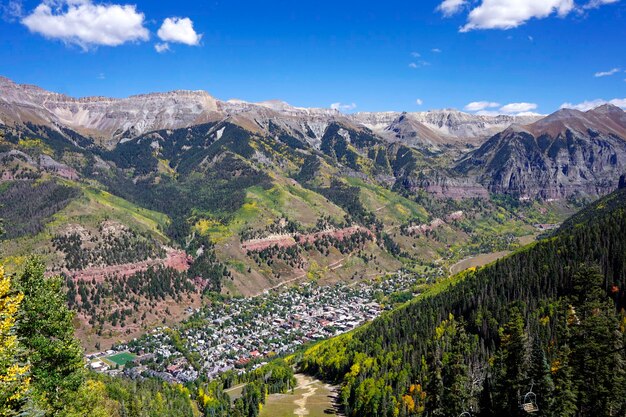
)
(122, 358)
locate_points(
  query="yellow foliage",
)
(14, 380)
(402, 210)
(203, 226)
(92, 400)
(439, 331)
(36, 144)
(410, 403)
(315, 272)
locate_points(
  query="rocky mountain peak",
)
(606, 119)
(565, 153)
(607, 109)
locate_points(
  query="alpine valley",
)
(219, 245)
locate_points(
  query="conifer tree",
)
(456, 394)
(509, 366)
(46, 331)
(540, 377)
(595, 342)
(563, 403)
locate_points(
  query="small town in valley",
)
(240, 334)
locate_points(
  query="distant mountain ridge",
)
(112, 119)
(441, 127)
(562, 154)
(447, 153)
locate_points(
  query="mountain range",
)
(570, 151)
(112, 120)
(239, 198)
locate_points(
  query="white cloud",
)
(419, 102)
(507, 14)
(343, 107)
(436, 50)
(592, 104)
(179, 29)
(594, 4)
(451, 7)
(511, 109)
(419, 64)
(162, 47)
(518, 108)
(480, 105)
(607, 73)
(83, 23)
(491, 108)
(416, 54)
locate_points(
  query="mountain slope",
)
(564, 154)
(110, 120)
(479, 341)
(105, 118)
(263, 196)
(231, 185)
(439, 128)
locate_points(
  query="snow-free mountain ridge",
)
(111, 120)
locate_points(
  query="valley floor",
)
(486, 258)
(312, 398)
(230, 334)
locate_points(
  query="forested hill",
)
(551, 317)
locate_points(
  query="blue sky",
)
(369, 56)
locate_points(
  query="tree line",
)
(549, 317)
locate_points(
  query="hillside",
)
(238, 198)
(549, 318)
(564, 154)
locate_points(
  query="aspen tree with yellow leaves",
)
(14, 379)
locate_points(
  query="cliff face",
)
(566, 153)
(443, 184)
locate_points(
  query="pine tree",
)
(595, 341)
(509, 366)
(435, 387)
(456, 394)
(45, 330)
(563, 403)
(540, 377)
